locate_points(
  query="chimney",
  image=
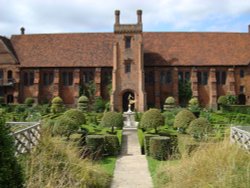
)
(139, 14)
(22, 30)
(117, 17)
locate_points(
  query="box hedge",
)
(147, 138)
(95, 145)
(112, 146)
(160, 147)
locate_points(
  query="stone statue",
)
(130, 102)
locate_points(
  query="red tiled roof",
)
(196, 49)
(64, 50)
(161, 49)
(7, 53)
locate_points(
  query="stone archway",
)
(125, 101)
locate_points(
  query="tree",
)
(112, 119)
(152, 119)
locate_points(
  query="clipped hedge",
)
(65, 126)
(147, 138)
(152, 119)
(83, 103)
(169, 103)
(160, 147)
(112, 119)
(95, 145)
(75, 115)
(183, 119)
(57, 105)
(112, 146)
(199, 128)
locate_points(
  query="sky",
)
(77, 16)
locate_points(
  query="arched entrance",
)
(125, 100)
(242, 99)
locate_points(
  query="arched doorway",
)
(242, 99)
(125, 100)
(10, 99)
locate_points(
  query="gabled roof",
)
(7, 53)
(64, 50)
(160, 49)
(196, 49)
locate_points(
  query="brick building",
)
(147, 65)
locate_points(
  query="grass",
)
(214, 165)
(154, 165)
(108, 164)
(56, 163)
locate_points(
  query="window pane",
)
(218, 77)
(25, 78)
(242, 73)
(180, 76)
(187, 76)
(224, 77)
(31, 78)
(70, 78)
(127, 42)
(169, 77)
(199, 77)
(1, 74)
(127, 67)
(205, 78)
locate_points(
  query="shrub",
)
(147, 138)
(152, 119)
(169, 103)
(160, 147)
(199, 128)
(183, 119)
(57, 105)
(75, 115)
(111, 147)
(65, 126)
(10, 171)
(95, 144)
(29, 101)
(112, 119)
(170, 100)
(99, 105)
(83, 103)
(1, 100)
(222, 100)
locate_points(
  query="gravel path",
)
(131, 169)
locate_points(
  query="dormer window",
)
(127, 41)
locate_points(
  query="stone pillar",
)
(115, 62)
(98, 81)
(36, 85)
(212, 83)
(76, 83)
(230, 81)
(56, 83)
(194, 83)
(157, 88)
(175, 85)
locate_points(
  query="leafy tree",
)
(152, 119)
(112, 119)
(185, 92)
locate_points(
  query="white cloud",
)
(39, 16)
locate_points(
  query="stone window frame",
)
(166, 77)
(67, 78)
(128, 40)
(48, 78)
(28, 77)
(184, 76)
(202, 77)
(221, 77)
(242, 73)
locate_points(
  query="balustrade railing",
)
(241, 136)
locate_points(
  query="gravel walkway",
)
(131, 169)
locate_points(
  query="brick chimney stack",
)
(117, 17)
(22, 30)
(139, 14)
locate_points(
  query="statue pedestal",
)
(129, 120)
